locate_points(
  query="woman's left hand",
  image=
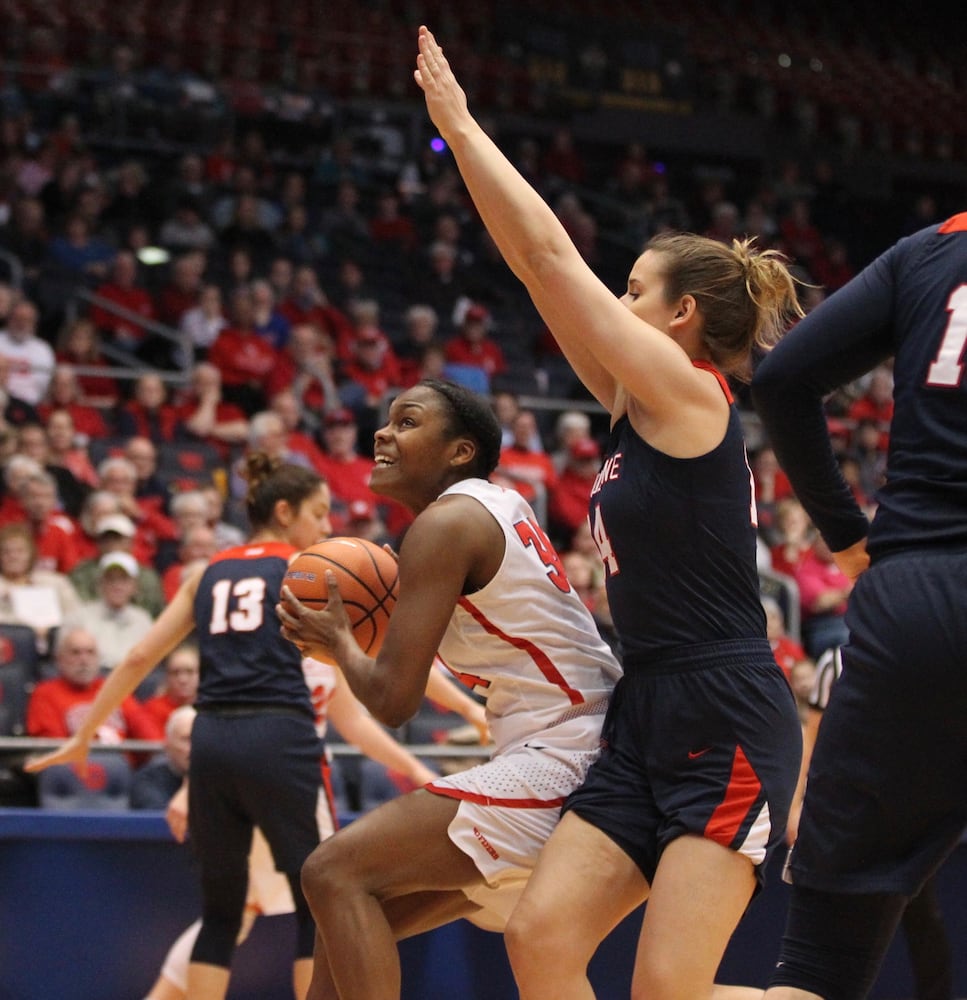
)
(445, 100)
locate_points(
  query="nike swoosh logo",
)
(534, 746)
(692, 754)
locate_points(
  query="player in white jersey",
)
(268, 889)
(481, 584)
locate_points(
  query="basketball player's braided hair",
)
(471, 414)
(270, 480)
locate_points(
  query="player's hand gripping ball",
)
(368, 579)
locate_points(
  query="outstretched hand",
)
(74, 751)
(316, 634)
(445, 100)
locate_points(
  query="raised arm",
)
(602, 340)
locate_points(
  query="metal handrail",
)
(14, 746)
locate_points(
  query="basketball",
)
(368, 584)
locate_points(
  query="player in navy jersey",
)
(256, 756)
(885, 799)
(702, 742)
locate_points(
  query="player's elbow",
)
(396, 708)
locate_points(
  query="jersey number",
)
(248, 612)
(603, 542)
(531, 533)
(947, 368)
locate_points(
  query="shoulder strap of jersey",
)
(706, 366)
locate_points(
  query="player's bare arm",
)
(448, 550)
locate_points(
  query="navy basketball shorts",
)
(260, 770)
(886, 797)
(712, 747)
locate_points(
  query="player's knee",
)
(533, 943)
(325, 873)
(314, 874)
(516, 936)
(660, 979)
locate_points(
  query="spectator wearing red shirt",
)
(306, 302)
(119, 476)
(389, 228)
(203, 415)
(183, 289)
(65, 450)
(307, 367)
(823, 593)
(567, 502)
(524, 468)
(562, 160)
(374, 365)
(795, 533)
(197, 543)
(80, 346)
(58, 706)
(55, 534)
(347, 472)
(148, 413)
(801, 239)
(299, 438)
(876, 403)
(64, 394)
(771, 485)
(473, 345)
(244, 358)
(33, 442)
(180, 684)
(17, 470)
(833, 269)
(126, 332)
(798, 669)
(420, 324)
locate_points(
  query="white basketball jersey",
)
(526, 641)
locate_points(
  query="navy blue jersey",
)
(678, 539)
(244, 659)
(910, 303)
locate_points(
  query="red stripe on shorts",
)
(489, 800)
(741, 795)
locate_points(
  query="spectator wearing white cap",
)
(113, 618)
(116, 533)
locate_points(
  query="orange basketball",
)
(368, 580)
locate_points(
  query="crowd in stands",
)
(167, 308)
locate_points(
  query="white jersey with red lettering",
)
(526, 641)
